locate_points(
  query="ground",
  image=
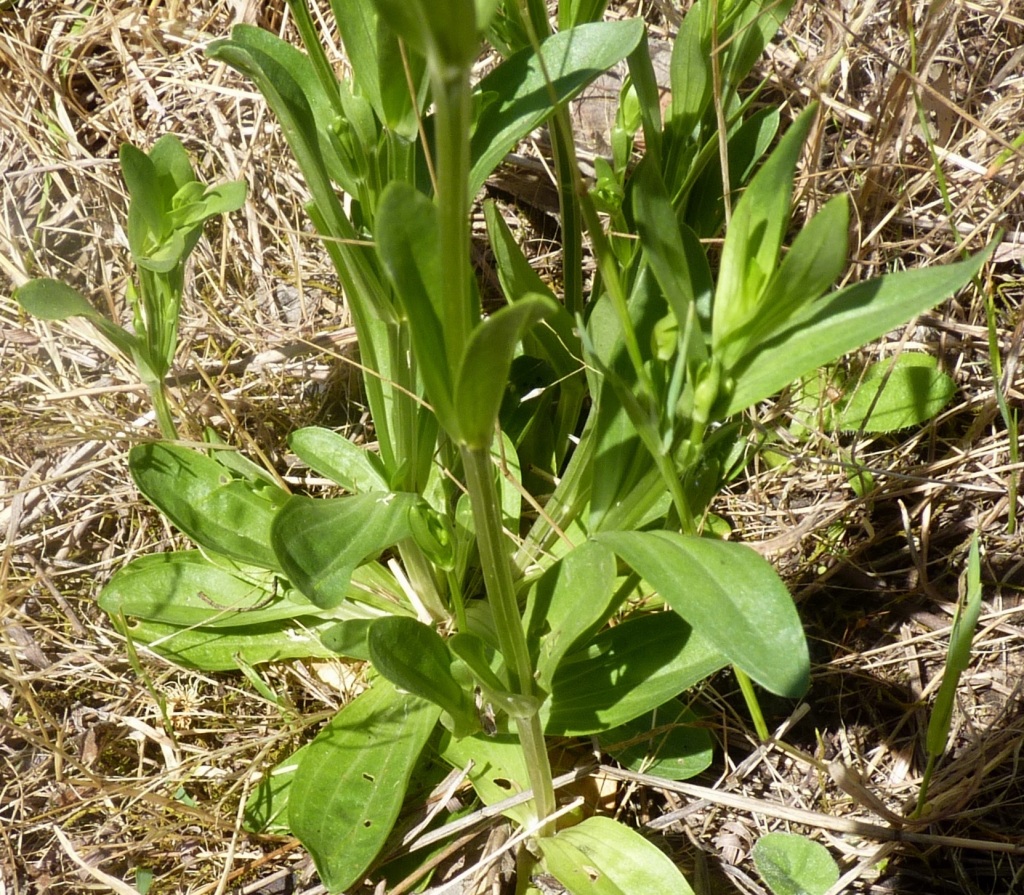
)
(115, 763)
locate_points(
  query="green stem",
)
(495, 561)
(922, 793)
(453, 102)
(164, 417)
(753, 706)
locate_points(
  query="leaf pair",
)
(168, 205)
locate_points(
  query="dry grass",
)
(111, 764)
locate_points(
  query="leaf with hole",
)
(600, 856)
(350, 785)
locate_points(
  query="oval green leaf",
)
(732, 597)
(600, 856)
(352, 780)
(319, 543)
(897, 394)
(185, 588)
(415, 659)
(219, 511)
(794, 865)
(484, 367)
(665, 743)
(626, 671)
(354, 468)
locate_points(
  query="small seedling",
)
(965, 620)
(166, 214)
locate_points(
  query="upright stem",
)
(453, 101)
(495, 561)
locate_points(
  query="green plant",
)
(965, 620)
(165, 221)
(793, 865)
(483, 597)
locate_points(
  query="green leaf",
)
(350, 785)
(965, 620)
(841, 322)
(665, 743)
(497, 769)
(897, 393)
(319, 543)
(408, 243)
(266, 809)
(50, 299)
(794, 865)
(416, 660)
(814, 261)
(349, 638)
(731, 595)
(150, 200)
(224, 649)
(600, 856)
(355, 468)
(185, 588)
(575, 596)
(219, 511)
(746, 144)
(663, 247)
(626, 671)
(484, 368)
(480, 659)
(371, 47)
(753, 239)
(572, 58)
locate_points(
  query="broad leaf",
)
(575, 596)
(842, 322)
(185, 588)
(349, 788)
(665, 743)
(319, 543)
(600, 856)
(225, 514)
(416, 660)
(794, 865)
(626, 671)
(897, 393)
(353, 467)
(571, 58)
(225, 649)
(50, 299)
(349, 638)
(496, 768)
(731, 595)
